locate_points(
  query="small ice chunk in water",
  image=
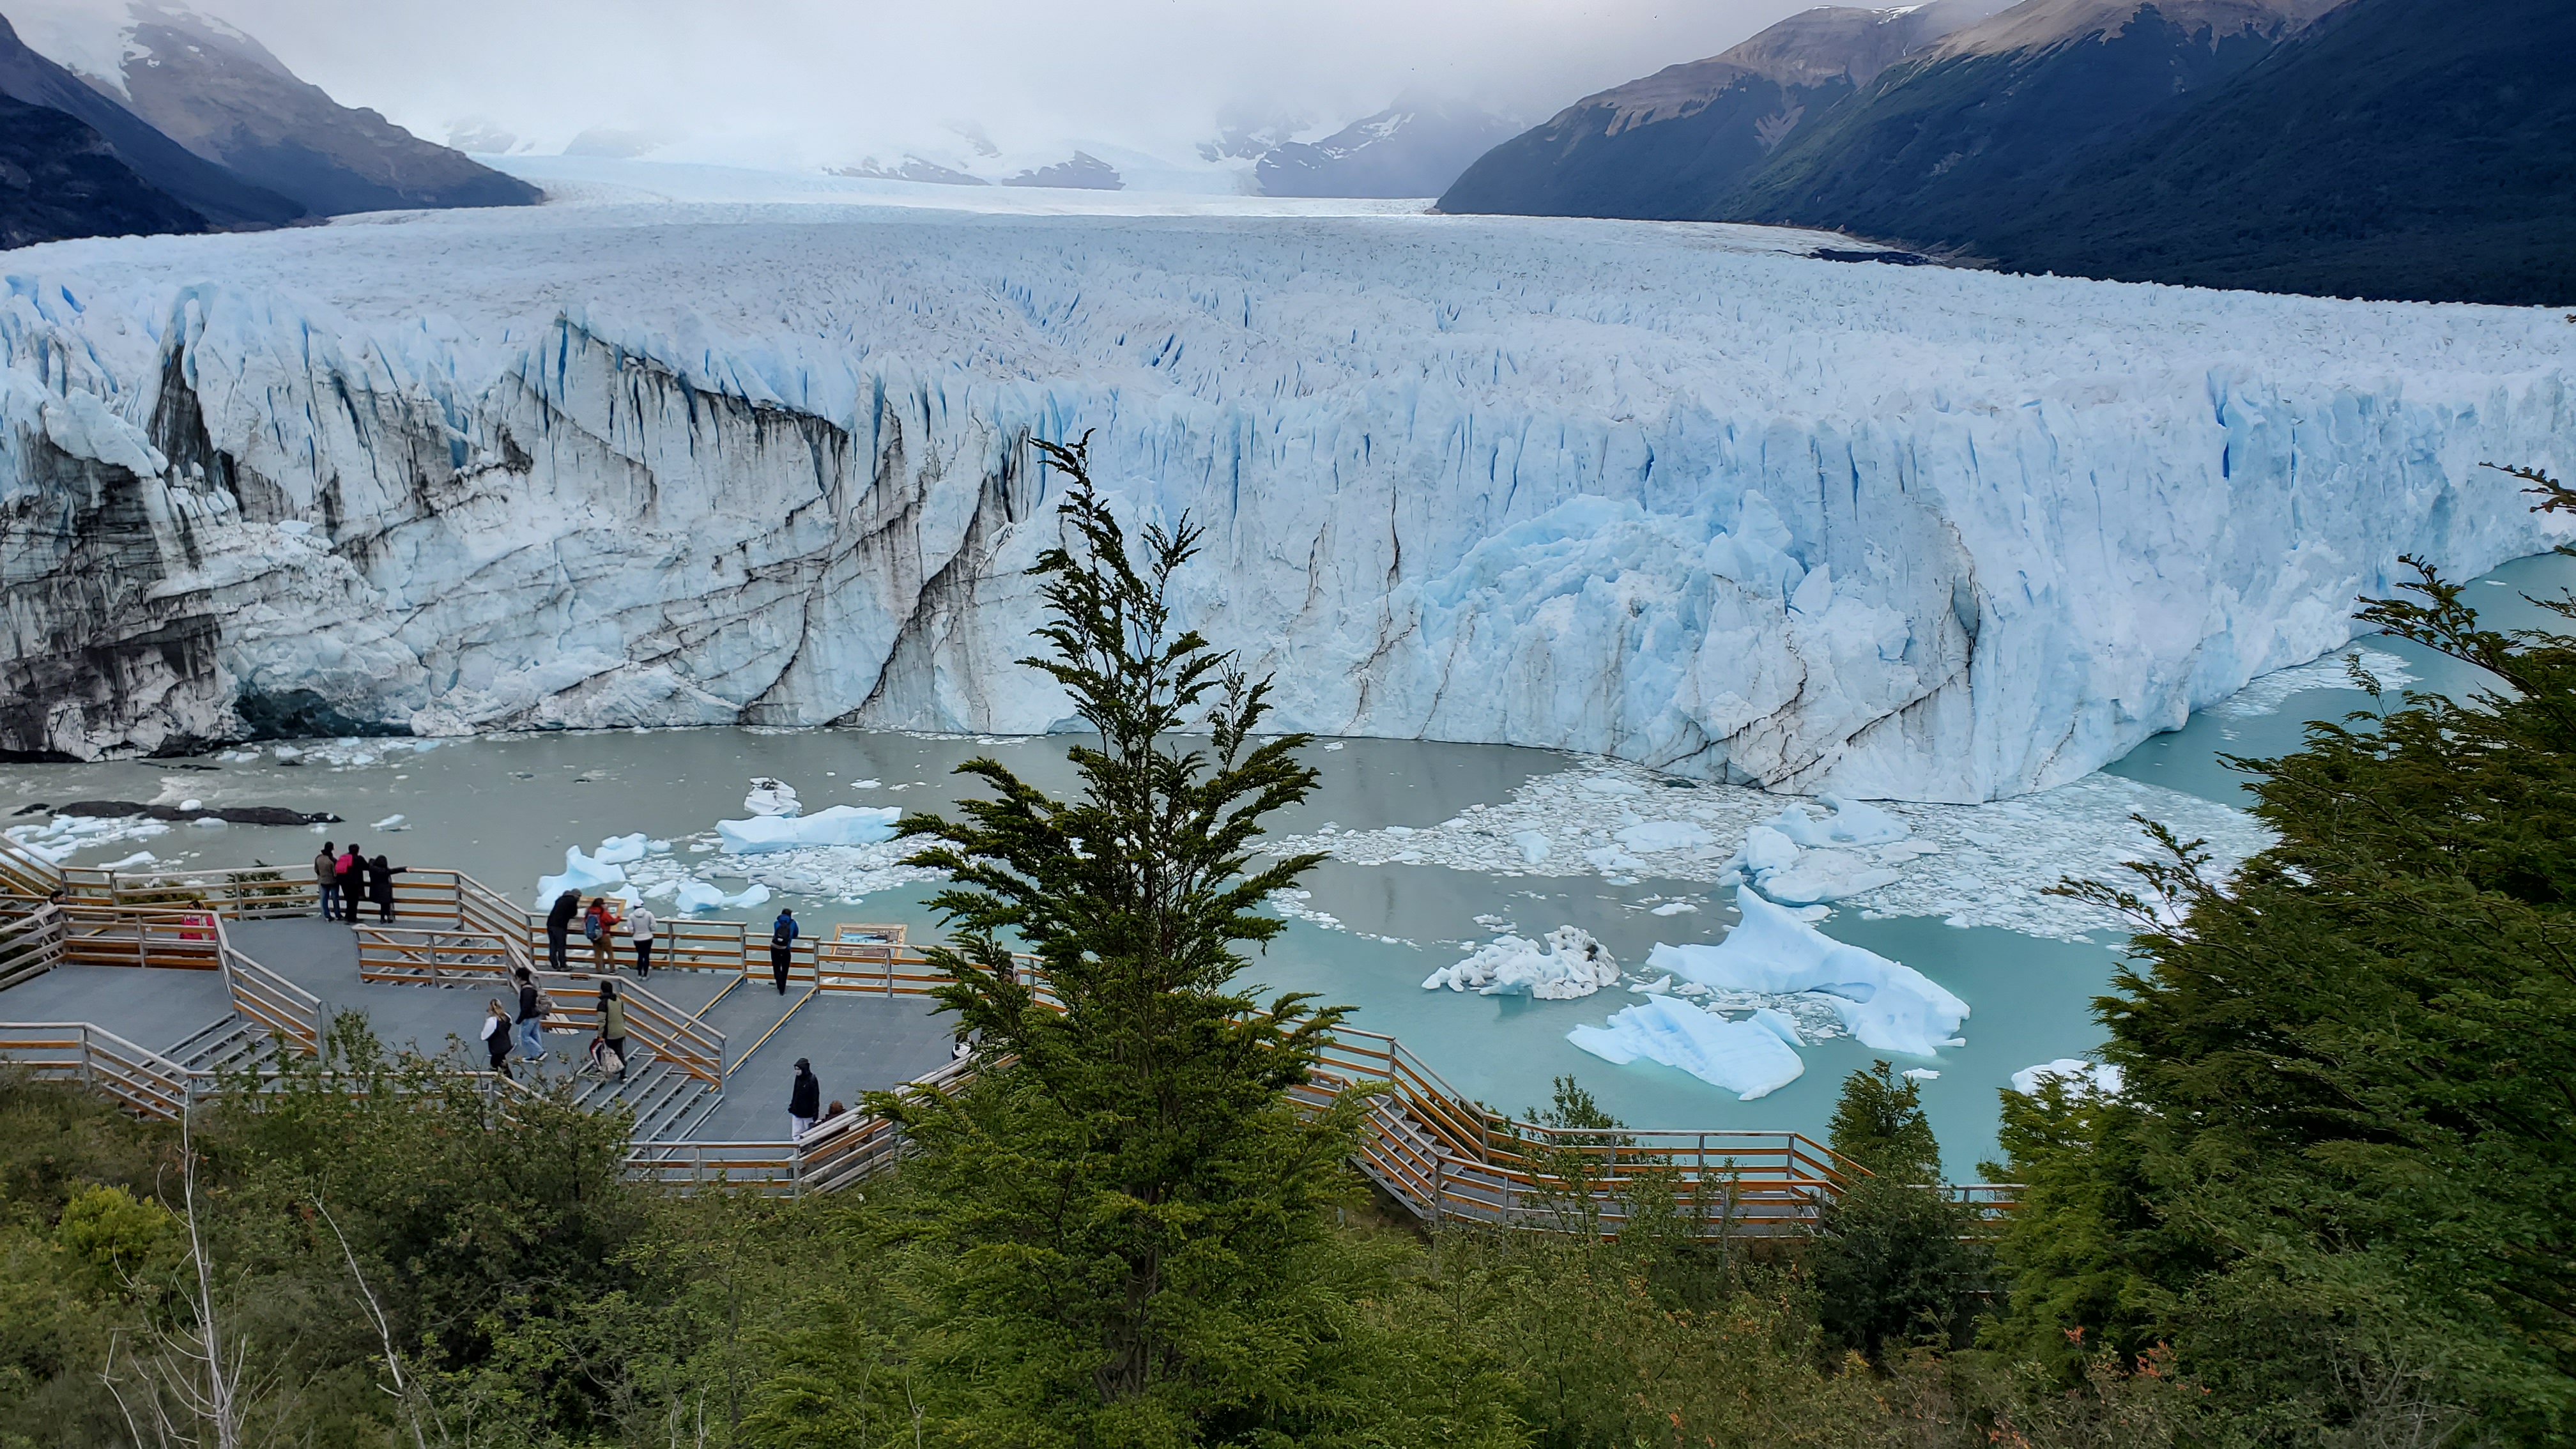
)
(1918, 1074)
(770, 797)
(623, 849)
(1889, 1006)
(1566, 964)
(1746, 1058)
(2075, 1072)
(1334, 745)
(192, 804)
(869, 784)
(390, 822)
(1674, 908)
(838, 825)
(1532, 845)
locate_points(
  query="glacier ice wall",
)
(1617, 487)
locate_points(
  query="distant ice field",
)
(708, 447)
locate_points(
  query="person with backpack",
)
(599, 927)
(639, 929)
(782, 945)
(611, 1057)
(558, 926)
(532, 1018)
(351, 867)
(380, 887)
(496, 1036)
(804, 1100)
(326, 876)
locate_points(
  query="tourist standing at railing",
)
(612, 1030)
(639, 929)
(380, 887)
(352, 870)
(599, 927)
(559, 926)
(804, 1100)
(782, 945)
(326, 876)
(532, 1018)
(496, 1037)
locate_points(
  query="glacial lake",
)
(505, 808)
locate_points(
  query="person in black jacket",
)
(380, 887)
(804, 1100)
(496, 1037)
(353, 882)
(558, 923)
(782, 947)
(532, 1018)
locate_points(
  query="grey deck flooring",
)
(856, 1043)
(153, 1008)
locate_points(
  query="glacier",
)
(1667, 493)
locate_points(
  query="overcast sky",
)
(829, 76)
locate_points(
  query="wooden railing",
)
(290, 1013)
(242, 892)
(31, 944)
(25, 881)
(144, 1082)
(182, 940)
(429, 955)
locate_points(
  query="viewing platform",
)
(148, 985)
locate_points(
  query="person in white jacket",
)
(639, 927)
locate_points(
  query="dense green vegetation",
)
(2329, 1206)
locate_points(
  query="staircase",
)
(226, 1044)
(667, 1100)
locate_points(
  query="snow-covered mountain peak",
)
(2037, 25)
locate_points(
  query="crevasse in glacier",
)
(1626, 488)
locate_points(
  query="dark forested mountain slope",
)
(1664, 147)
(59, 178)
(214, 192)
(2421, 149)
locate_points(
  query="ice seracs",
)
(1659, 493)
(1564, 964)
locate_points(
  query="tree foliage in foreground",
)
(1128, 1218)
(2341, 1175)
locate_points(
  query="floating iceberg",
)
(1799, 860)
(838, 825)
(1532, 845)
(1890, 1007)
(1566, 964)
(583, 873)
(1748, 1058)
(623, 849)
(696, 895)
(770, 797)
(390, 822)
(2075, 1072)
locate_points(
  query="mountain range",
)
(2403, 149)
(178, 122)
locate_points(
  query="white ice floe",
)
(2076, 1073)
(390, 822)
(1971, 865)
(837, 825)
(57, 839)
(140, 857)
(585, 874)
(623, 849)
(1565, 964)
(770, 797)
(1655, 836)
(1748, 1058)
(2267, 694)
(1887, 1005)
(1919, 1074)
(690, 895)
(1674, 908)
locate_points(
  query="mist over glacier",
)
(1670, 493)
